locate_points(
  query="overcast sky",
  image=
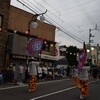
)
(73, 18)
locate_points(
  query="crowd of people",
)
(34, 72)
(19, 74)
(14, 75)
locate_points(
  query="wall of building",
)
(94, 54)
(19, 19)
(18, 23)
(4, 12)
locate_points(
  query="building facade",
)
(16, 37)
(93, 54)
(18, 26)
(4, 15)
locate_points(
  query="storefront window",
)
(52, 48)
(49, 46)
(46, 46)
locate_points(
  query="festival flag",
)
(34, 45)
(82, 57)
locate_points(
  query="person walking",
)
(95, 73)
(33, 76)
(26, 78)
(21, 73)
(1, 77)
(68, 70)
(83, 81)
(44, 72)
(39, 73)
(14, 74)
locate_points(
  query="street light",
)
(34, 24)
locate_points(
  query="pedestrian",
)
(14, 74)
(95, 72)
(44, 72)
(21, 73)
(33, 76)
(1, 77)
(99, 72)
(68, 71)
(39, 73)
(83, 80)
(26, 74)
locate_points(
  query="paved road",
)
(52, 90)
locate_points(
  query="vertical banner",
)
(82, 57)
(34, 45)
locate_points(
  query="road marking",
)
(52, 81)
(12, 87)
(53, 93)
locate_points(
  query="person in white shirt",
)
(45, 72)
(33, 76)
(39, 73)
(21, 72)
(83, 81)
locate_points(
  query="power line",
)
(26, 6)
(84, 12)
(61, 28)
(48, 10)
(51, 6)
(75, 6)
(57, 23)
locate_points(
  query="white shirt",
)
(32, 68)
(21, 69)
(83, 74)
(45, 70)
(39, 70)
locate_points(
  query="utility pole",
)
(98, 54)
(91, 41)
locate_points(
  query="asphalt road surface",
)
(50, 90)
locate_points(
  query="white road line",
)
(12, 87)
(70, 88)
(53, 93)
(52, 81)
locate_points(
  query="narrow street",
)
(50, 90)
